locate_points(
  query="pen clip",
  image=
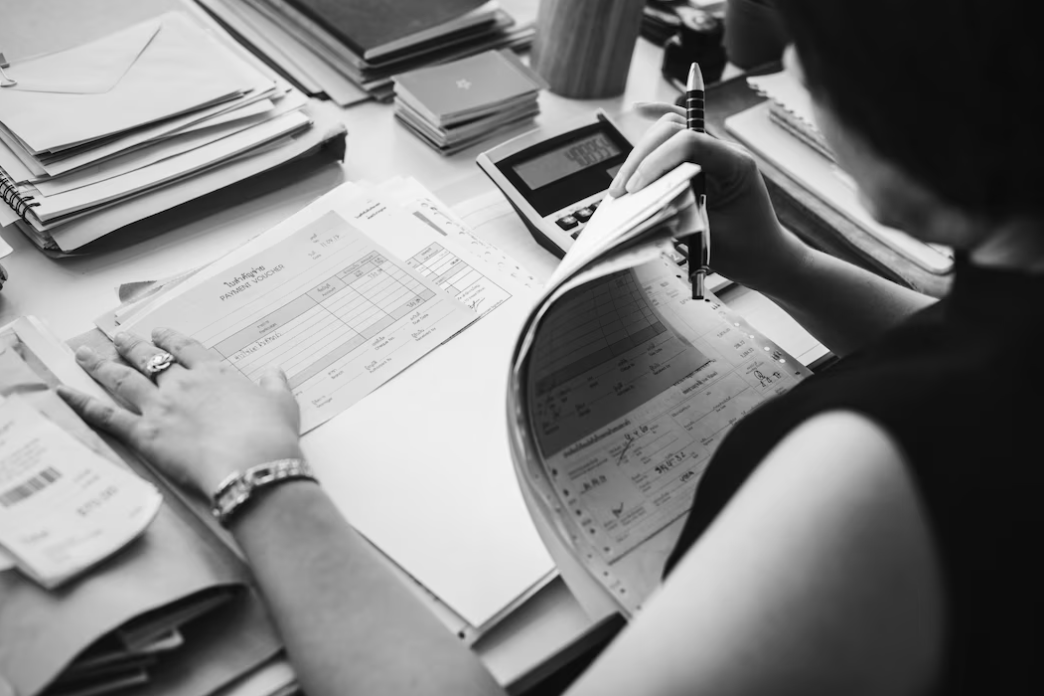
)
(5, 79)
(702, 207)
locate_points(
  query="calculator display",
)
(566, 160)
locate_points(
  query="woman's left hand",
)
(200, 420)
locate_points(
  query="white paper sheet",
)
(63, 507)
(179, 144)
(142, 74)
(169, 169)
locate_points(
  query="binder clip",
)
(5, 79)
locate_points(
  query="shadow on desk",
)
(562, 678)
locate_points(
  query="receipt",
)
(63, 507)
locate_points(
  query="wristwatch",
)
(238, 487)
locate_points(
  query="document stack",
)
(349, 51)
(456, 105)
(110, 582)
(126, 120)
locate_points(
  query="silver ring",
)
(158, 363)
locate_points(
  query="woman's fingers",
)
(658, 110)
(114, 420)
(660, 133)
(126, 382)
(680, 147)
(723, 162)
(274, 379)
(136, 350)
(187, 351)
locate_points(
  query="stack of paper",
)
(349, 51)
(456, 105)
(135, 121)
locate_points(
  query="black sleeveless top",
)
(959, 386)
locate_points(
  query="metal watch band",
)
(237, 488)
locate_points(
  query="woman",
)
(865, 533)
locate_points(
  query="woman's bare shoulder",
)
(820, 576)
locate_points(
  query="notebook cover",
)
(464, 86)
(366, 25)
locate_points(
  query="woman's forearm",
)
(349, 625)
(842, 305)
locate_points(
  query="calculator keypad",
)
(567, 222)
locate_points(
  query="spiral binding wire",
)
(19, 203)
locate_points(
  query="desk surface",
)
(69, 293)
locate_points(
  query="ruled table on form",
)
(339, 314)
(329, 321)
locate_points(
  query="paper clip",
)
(5, 79)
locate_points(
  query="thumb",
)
(657, 109)
(274, 380)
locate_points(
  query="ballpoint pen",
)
(699, 243)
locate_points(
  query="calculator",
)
(556, 177)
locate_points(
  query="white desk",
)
(70, 293)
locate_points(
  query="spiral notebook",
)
(791, 109)
(756, 129)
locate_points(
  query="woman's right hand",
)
(748, 245)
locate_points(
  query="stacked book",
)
(456, 105)
(349, 50)
(130, 119)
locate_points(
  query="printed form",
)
(633, 387)
(335, 310)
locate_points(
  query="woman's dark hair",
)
(944, 88)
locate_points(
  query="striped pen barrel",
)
(699, 243)
(694, 100)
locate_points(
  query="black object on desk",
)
(699, 40)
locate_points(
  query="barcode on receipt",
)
(34, 485)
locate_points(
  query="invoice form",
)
(633, 386)
(335, 310)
